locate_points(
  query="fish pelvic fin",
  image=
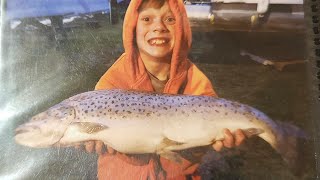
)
(292, 147)
(168, 142)
(89, 127)
(172, 156)
(168, 154)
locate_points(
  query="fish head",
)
(45, 129)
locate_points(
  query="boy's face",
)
(155, 32)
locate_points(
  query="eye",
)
(146, 19)
(170, 20)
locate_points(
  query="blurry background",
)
(52, 50)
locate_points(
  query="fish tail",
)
(292, 146)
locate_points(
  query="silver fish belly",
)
(138, 122)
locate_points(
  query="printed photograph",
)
(156, 90)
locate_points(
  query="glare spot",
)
(7, 113)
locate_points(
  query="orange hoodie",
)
(129, 72)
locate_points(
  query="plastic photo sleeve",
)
(82, 93)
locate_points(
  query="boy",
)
(156, 38)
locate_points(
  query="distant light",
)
(7, 113)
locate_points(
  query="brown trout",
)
(135, 122)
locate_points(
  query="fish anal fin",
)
(89, 127)
(249, 132)
(172, 156)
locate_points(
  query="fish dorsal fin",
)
(90, 127)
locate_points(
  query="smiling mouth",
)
(158, 41)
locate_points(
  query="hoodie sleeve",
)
(116, 76)
(104, 84)
(198, 83)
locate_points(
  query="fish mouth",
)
(158, 41)
(21, 131)
(26, 129)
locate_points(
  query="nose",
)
(159, 26)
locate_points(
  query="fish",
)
(135, 122)
(278, 65)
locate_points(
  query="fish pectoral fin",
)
(172, 156)
(252, 132)
(89, 127)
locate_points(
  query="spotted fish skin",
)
(135, 122)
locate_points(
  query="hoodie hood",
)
(183, 36)
(129, 72)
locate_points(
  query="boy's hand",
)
(230, 140)
(93, 146)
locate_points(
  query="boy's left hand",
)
(230, 140)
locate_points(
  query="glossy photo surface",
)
(74, 72)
